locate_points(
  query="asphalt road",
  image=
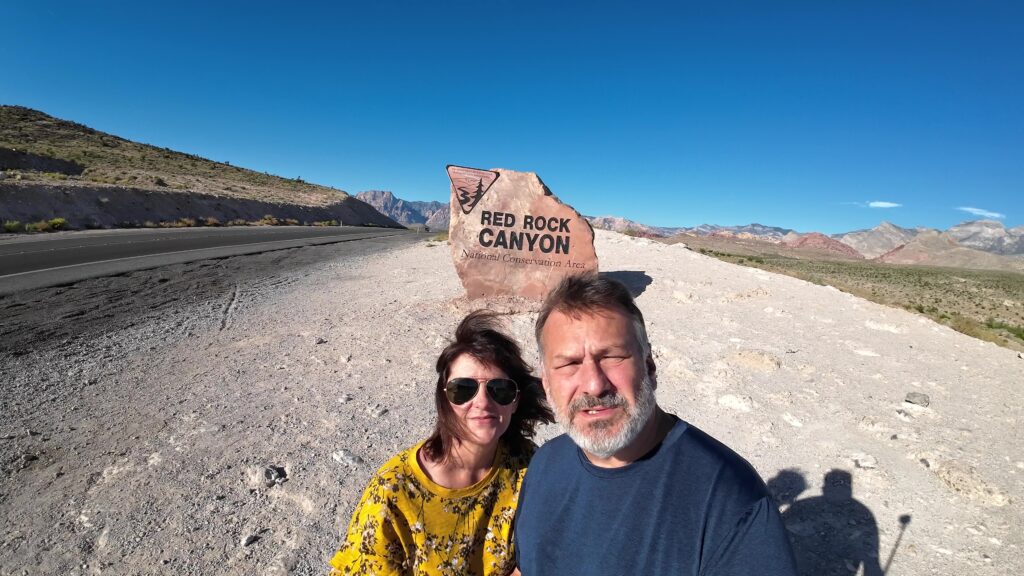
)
(29, 262)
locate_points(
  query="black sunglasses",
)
(462, 390)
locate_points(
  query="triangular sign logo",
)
(470, 184)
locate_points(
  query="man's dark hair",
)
(576, 296)
(478, 335)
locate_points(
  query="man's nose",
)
(594, 380)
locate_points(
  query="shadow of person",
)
(832, 534)
(634, 280)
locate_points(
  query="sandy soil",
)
(240, 445)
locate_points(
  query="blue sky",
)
(791, 114)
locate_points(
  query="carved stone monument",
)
(511, 237)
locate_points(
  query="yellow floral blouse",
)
(407, 524)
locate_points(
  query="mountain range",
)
(408, 212)
(975, 244)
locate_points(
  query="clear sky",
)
(796, 114)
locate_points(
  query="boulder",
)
(510, 236)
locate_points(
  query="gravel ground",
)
(232, 429)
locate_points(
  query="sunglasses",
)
(462, 390)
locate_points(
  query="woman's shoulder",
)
(399, 465)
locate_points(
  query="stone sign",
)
(511, 237)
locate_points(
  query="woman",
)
(445, 505)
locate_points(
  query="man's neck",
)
(653, 432)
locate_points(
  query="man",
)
(631, 489)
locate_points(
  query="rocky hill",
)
(46, 162)
(990, 236)
(818, 241)
(876, 241)
(753, 231)
(625, 226)
(934, 248)
(433, 214)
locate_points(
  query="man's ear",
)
(652, 370)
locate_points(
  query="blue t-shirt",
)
(690, 506)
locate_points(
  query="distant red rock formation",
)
(818, 241)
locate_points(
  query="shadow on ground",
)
(635, 280)
(833, 534)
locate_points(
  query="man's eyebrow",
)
(617, 348)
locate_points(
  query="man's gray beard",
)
(597, 440)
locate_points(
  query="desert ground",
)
(233, 434)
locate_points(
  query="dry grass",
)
(988, 305)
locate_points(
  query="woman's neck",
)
(468, 464)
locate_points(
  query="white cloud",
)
(981, 212)
(880, 204)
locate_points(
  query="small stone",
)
(274, 475)
(31, 432)
(918, 398)
(865, 461)
(250, 539)
(377, 411)
(321, 340)
(347, 458)
(345, 398)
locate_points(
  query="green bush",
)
(58, 223)
(13, 226)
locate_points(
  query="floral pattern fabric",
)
(407, 524)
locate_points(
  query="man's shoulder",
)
(709, 461)
(556, 451)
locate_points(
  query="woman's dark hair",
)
(478, 335)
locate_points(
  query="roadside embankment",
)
(102, 206)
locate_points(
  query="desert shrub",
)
(291, 222)
(186, 222)
(13, 226)
(41, 226)
(268, 220)
(159, 181)
(58, 223)
(440, 237)
(211, 221)
(1017, 331)
(238, 222)
(149, 224)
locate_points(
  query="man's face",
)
(598, 379)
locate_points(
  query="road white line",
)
(176, 252)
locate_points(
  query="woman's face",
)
(484, 419)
